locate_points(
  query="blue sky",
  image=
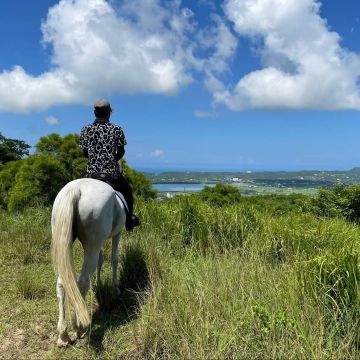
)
(196, 85)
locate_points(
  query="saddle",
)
(103, 177)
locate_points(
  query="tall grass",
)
(25, 237)
(242, 281)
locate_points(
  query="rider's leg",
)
(121, 184)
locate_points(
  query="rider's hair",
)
(102, 112)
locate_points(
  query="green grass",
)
(259, 279)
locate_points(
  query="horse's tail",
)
(61, 252)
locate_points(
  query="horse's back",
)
(98, 213)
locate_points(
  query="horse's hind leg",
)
(98, 269)
(115, 261)
(64, 338)
(89, 266)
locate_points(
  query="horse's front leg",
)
(115, 261)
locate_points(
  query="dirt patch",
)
(12, 345)
(25, 344)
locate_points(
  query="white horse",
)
(86, 209)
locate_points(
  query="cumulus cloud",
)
(21, 92)
(51, 120)
(304, 66)
(158, 153)
(141, 46)
(101, 47)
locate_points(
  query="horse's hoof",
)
(81, 333)
(62, 343)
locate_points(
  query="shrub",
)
(341, 201)
(220, 195)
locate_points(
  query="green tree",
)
(67, 150)
(37, 179)
(49, 144)
(37, 182)
(12, 149)
(220, 195)
(7, 180)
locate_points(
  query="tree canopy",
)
(12, 149)
(57, 160)
(67, 150)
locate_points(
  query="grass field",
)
(260, 279)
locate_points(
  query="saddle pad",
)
(121, 198)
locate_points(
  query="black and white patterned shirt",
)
(102, 141)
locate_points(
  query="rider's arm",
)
(120, 143)
(85, 152)
(120, 152)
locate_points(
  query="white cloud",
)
(51, 120)
(101, 47)
(21, 92)
(222, 45)
(158, 153)
(304, 66)
(140, 46)
(186, 12)
(204, 114)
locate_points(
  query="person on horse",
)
(103, 143)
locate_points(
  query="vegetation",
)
(340, 201)
(12, 149)
(248, 280)
(36, 179)
(220, 195)
(207, 276)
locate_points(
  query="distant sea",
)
(246, 170)
(181, 170)
(179, 187)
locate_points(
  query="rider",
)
(103, 144)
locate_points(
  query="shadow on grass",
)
(118, 309)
